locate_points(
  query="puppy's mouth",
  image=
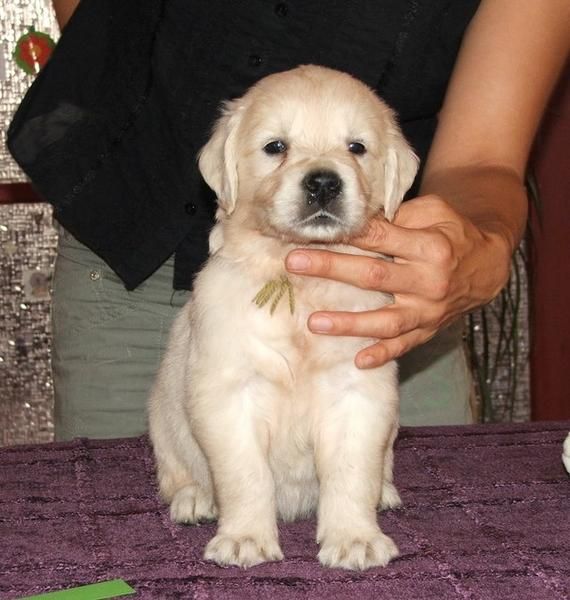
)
(320, 226)
(321, 218)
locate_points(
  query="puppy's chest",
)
(313, 294)
(258, 317)
(280, 318)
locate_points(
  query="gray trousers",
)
(108, 343)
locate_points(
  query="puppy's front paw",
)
(390, 497)
(191, 504)
(242, 551)
(357, 552)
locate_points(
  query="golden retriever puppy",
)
(252, 416)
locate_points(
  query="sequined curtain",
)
(27, 250)
(497, 341)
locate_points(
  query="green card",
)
(95, 591)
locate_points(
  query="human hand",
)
(443, 266)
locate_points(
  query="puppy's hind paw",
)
(242, 551)
(357, 552)
(390, 497)
(191, 504)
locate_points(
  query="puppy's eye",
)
(357, 148)
(275, 147)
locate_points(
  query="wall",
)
(550, 264)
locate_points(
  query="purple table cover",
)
(486, 516)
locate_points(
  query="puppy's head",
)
(308, 155)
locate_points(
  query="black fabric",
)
(109, 131)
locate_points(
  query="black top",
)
(109, 131)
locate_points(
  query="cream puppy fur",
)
(252, 416)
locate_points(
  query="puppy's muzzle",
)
(321, 187)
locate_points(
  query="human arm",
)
(452, 246)
(63, 11)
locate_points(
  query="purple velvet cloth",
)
(486, 516)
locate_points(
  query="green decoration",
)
(94, 591)
(274, 290)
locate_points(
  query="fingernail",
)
(365, 362)
(297, 261)
(320, 324)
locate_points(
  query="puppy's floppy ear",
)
(400, 168)
(217, 160)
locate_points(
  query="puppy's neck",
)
(254, 250)
(264, 254)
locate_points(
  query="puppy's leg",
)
(390, 497)
(185, 483)
(183, 475)
(236, 445)
(352, 442)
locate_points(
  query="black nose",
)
(322, 186)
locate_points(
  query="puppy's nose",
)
(322, 186)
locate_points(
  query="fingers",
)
(398, 330)
(413, 250)
(398, 334)
(388, 322)
(369, 273)
(386, 350)
(394, 240)
(421, 230)
(365, 272)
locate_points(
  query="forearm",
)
(63, 10)
(508, 65)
